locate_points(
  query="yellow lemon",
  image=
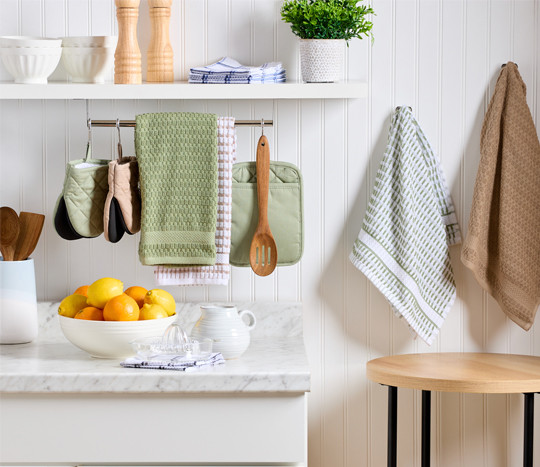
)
(163, 298)
(70, 306)
(152, 312)
(102, 290)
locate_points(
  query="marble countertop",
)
(274, 362)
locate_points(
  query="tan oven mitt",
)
(122, 213)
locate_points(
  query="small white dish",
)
(88, 64)
(89, 41)
(29, 41)
(30, 65)
(111, 339)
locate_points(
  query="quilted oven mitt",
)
(79, 208)
(122, 213)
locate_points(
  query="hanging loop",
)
(119, 140)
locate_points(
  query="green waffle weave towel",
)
(177, 154)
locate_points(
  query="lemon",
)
(152, 312)
(102, 290)
(163, 298)
(70, 306)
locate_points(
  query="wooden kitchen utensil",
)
(9, 231)
(160, 53)
(127, 58)
(31, 226)
(263, 251)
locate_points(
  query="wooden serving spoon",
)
(31, 225)
(9, 231)
(263, 251)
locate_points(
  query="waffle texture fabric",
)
(403, 246)
(502, 247)
(219, 273)
(177, 154)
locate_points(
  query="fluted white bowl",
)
(89, 41)
(29, 41)
(111, 339)
(88, 64)
(30, 65)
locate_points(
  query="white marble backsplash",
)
(274, 319)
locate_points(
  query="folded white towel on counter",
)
(173, 362)
(229, 71)
(219, 273)
(403, 246)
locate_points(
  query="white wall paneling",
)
(440, 57)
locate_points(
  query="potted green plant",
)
(324, 27)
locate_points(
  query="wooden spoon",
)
(31, 226)
(9, 231)
(263, 251)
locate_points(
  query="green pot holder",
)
(79, 209)
(285, 212)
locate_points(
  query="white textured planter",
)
(322, 60)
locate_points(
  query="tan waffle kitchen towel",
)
(502, 247)
(219, 273)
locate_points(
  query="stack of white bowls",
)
(88, 59)
(30, 60)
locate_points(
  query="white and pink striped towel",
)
(219, 273)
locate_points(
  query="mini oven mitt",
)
(79, 208)
(122, 213)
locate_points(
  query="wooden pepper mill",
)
(160, 53)
(127, 58)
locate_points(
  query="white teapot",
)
(225, 326)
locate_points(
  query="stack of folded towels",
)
(185, 164)
(174, 362)
(229, 71)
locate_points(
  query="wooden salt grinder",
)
(160, 53)
(127, 58)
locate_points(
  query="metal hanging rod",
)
(132, 124)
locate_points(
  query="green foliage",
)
(327, 19)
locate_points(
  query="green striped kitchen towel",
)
(403, 246)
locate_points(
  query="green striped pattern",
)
(403, 247)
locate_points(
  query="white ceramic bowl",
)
(111, 339)
(88, 64)
(89, 41)
(29, 41)
(30, 65)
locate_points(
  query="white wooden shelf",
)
(184, 90)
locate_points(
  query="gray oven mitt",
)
(79, 209)
(122, 213)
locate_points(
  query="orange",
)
(90, 312)
(82, 290)
(121, 308)
(137, 293)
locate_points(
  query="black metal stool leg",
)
(392, 427)
(528, 430)
(426, 428)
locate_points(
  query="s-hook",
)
(262, 128)
(119, 140)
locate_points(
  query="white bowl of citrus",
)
(103, 319)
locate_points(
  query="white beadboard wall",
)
(440, 57)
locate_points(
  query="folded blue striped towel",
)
(228, 70)
(174, 362)
(403, 246)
